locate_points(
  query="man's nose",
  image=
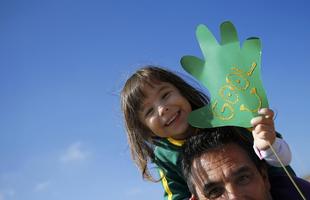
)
(232, 193)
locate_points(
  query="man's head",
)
(221, 164)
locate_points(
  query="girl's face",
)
(164, 111)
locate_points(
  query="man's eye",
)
(244, 179)
(215, 192)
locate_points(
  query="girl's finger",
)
(267, 112)
(262, 120)
(261, 128)
(262, 135)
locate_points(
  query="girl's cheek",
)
(151, 122)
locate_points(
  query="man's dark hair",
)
(213, 139)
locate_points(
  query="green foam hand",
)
(232, 76)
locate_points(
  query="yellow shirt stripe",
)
(165, 184)
(176, 142)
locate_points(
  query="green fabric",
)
(168, 160)
(232, 76)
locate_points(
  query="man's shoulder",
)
(283, 188)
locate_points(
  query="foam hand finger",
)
(206, 40)
(193, 66)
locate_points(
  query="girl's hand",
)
(263, 129)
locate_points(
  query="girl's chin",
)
(182, 136)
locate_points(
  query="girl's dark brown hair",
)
(140, 138)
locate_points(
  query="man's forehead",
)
(211, 163)
(221, 163)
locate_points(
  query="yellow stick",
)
(288, 174)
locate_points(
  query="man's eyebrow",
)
(209, 185)
(242, 170)
(239, 171)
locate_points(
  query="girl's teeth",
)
(171, 120)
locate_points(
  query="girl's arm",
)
(282, 150)
(264, 135)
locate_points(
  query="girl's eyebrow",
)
(163, 87)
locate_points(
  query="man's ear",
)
(193, 197)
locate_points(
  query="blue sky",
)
(63, 63)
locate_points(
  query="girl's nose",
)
(162, 110)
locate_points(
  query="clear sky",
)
(63, 63)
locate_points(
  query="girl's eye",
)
(165, 95)
(148, 112)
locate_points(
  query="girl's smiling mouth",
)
(173, 118)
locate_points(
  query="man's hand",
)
(263, 129)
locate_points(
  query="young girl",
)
(156, 103)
